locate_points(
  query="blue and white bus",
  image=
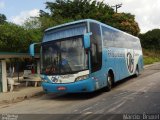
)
(87, 55)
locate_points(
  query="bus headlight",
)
(44, 80)
(83, 77)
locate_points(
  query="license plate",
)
(61, 88)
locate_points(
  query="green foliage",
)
(14, 38)
(17, 38)
(125, 22)
(32, 23)
(151, 60)
(2, 18)
(151, 46)
(151, 56)
(62, 11)
(151, 39)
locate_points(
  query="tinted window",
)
(96, 47)
(108, 37)
(64, 56)
(135, 43)
(128, 43)
(132, 43)
(119, 39)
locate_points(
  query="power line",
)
(117, 6)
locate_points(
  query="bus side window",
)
(107, 37)
(94, 53)
(96, 47)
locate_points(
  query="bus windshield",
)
(65, 56)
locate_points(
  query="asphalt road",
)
(134, 98)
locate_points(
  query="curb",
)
(156, 63)
(20, 98)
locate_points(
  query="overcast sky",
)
(147, 12)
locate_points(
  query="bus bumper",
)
(76, 87)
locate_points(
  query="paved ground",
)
(131, 96)
(20, 94)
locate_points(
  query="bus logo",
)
(130, 62)
(54, 79)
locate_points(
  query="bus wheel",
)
(109, 82)
(137, 71)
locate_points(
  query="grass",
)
(150, 60)
(151, 56)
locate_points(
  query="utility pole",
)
(117, 6)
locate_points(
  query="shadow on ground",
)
(85, 96)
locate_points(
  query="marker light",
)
(83, 77)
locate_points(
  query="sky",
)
(147, 12)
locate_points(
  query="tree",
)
(32, 23)
(14, 38)
(151, 39)
(62, 11)
(125, 22)
(2, 18)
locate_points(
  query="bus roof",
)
(87, 20)
(66, 24)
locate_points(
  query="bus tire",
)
(109, 82)
(137, 71)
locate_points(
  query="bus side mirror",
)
(32, 49)
(86, 40)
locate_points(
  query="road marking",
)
(88, 113)
(87, 108)
(116, 107)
